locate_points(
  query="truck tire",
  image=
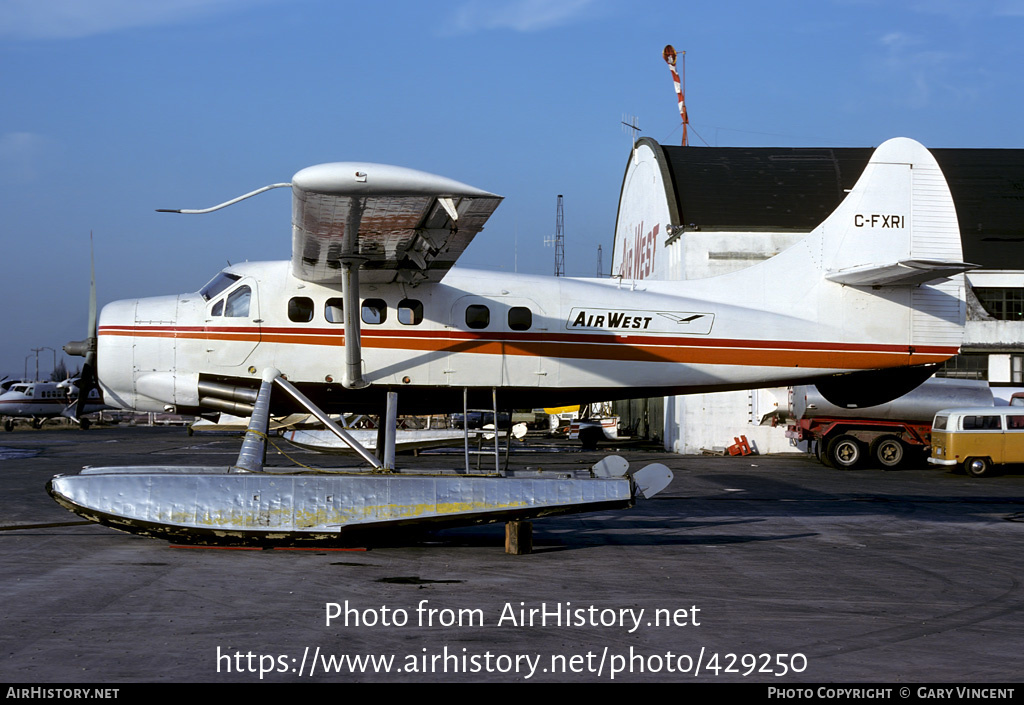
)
(888, 451)
(845, 452)
(821, 452)
(978, 467)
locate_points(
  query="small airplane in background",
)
(370, 308)
(40, 401)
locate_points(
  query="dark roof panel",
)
(779, 189)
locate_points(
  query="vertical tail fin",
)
(896, 228)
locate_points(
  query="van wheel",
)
(978, 467)
(888, 451)
(845, 452)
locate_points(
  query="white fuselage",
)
(545, 339)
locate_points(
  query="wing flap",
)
(398, 222)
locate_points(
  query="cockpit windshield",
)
(218, 284)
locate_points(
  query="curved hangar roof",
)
(748, 189)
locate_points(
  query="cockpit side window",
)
(218, 284)
(237, 304)
(218, 308)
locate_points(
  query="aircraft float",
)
(370, 308)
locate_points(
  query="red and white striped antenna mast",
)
(669, 55)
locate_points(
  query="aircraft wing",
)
(401, 224)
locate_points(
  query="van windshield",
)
(940, 423)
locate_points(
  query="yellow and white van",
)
(979, 438)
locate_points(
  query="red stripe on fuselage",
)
(592, 346)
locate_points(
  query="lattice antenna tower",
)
(670, 57)
(559, 240)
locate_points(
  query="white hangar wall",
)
(646, 247)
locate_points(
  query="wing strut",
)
(353, 378)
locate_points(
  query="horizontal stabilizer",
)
(908, 272)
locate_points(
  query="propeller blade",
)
(92, 298)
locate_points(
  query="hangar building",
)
(696, 212)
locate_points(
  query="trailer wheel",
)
(8, 424)
(978, 467)
(821, 452)
(888, 451)
(845, 452)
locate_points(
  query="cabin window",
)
(410, 312)
(218, 284)
(300, 309)
(1015, 422)
(520, 318)
(477, 316)
(981, 423)
(375, 311)
(334, 310)
(218, 308)
(237, 305)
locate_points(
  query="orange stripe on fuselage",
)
(632, 348)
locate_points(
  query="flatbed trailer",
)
(886, 435)
(851, 442)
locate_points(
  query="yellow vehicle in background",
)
(980, 439)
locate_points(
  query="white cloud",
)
(517, 15)
(20, 156)
(65, 19)
(916, 71)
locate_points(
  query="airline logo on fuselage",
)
(879, 220)
(635, 321)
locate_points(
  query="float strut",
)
(327, 421)
(254, 445)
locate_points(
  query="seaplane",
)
(371, 308)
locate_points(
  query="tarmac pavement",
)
(764, 569)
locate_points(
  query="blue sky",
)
(113, 108)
